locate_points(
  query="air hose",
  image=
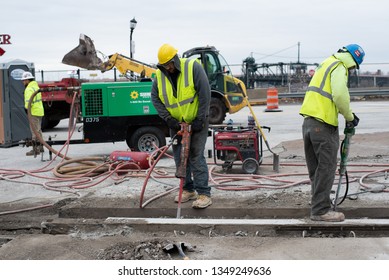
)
(149, 172)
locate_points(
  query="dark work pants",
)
(321, 144)
(197, 164)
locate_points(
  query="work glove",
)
(197, 125)
(172, 123)
(353, 123)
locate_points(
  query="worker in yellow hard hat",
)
(181, 93)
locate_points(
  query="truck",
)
(123, 110)
(57, 103)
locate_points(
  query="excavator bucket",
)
(84, 55)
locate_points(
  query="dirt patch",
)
(142, 250)
(370, 146)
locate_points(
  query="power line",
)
(376, 63)
(273, 54)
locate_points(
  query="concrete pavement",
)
(33, 189)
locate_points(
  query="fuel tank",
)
(139, 158)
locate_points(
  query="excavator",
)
(227, 91)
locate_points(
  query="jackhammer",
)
(185, 133)
(349, 131)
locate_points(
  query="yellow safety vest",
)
(36, 104)
(318, 98)
(183, 107)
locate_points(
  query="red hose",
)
(163, 151)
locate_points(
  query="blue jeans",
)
(321, 144)
(197, 165)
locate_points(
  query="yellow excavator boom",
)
(125, 64)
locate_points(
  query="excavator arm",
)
(125, 65)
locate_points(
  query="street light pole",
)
(133, 23)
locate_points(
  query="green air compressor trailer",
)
(121, 111)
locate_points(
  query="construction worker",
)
(327, 95)
(181, 93)
(37, 111)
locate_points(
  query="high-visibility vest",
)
(36, 104)
(318, 98)
(183, 107)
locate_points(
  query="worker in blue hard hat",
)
(326, 97)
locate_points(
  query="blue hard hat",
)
(356, 52)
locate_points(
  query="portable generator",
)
(233, 143)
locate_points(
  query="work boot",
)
(33, 152)
(186, 196)
(202, 201)
(30, 153)
(330, 216)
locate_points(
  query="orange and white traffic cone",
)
(272, 101)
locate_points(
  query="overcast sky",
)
(43, 31)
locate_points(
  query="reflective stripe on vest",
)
(38, 95)
(320, 90)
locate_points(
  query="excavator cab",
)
(225, 88)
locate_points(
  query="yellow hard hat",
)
(166, 52)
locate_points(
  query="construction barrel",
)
(272, 101)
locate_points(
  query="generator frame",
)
(237, 142)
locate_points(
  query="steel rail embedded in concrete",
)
(237, 222)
